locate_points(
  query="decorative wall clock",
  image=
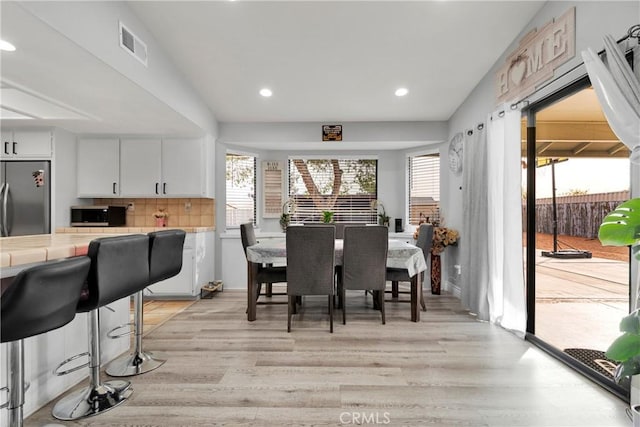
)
(455, 154)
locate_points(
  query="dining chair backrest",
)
(425, 238)
(311, 260)
(340, 226)
(364, 259)
(247, 235)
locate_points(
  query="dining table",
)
(400, 254)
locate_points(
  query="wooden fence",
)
(577, 215)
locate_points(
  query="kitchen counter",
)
(128, 230)
(22, 250)
(66, 242)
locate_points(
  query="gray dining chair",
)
(267, 274)
(310, 265)
(364, 261)
(395, 275)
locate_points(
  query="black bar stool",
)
(40, 299)
(119, 268)
(165, 261)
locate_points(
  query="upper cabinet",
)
(149, 167)
(99, 168)
(140, 167)
(18, 144)
(183, 171)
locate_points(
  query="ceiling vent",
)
(132, 44)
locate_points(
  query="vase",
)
(161, 222)
(435, 274)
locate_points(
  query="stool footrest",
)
(69, 360)
(135, 363)
(113, 335)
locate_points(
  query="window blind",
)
(313, 186)
(424, 188)
(240, 184)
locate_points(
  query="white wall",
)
(357, 132)
(593, 20)
(94, 26)
(64, 187)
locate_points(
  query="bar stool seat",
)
(119, 268)
(40, 299)
(165, 261)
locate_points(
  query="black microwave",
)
(98, 216)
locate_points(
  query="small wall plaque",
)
(332, 132)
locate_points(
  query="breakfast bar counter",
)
(20, 251)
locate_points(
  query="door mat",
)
(595, 359)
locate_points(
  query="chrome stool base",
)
(90, 401)
(135, 364)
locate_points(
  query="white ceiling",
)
(324, 60)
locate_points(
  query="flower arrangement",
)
(376, 206)
(161, 217)
(442, 237)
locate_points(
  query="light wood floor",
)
(446, 370)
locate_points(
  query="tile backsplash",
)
(181, 212)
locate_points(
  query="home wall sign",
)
(272, 188)
(539, 53)
(332, 132)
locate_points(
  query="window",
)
(424, 188)
(347, 187)
(241, 193)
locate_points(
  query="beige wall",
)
(201, 213)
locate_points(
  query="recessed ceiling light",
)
(5, 45)
(266, 92)
(402, 91)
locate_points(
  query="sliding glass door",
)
(575, 171)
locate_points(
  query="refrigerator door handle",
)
(5, 199)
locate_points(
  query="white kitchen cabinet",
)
(140, 167)
(197, 269)
(25, 144)
(99, 167)
(183, 168)
(154, 167)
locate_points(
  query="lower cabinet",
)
(197, 270)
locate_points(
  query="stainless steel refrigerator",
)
(25, 198)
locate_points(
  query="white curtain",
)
(506, 291)
(618, 91)
(474, 260)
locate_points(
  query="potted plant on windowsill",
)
(288, 209)
(378, 207)
(621, 227)
(327, 217)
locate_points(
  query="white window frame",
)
(330, 157)
(409, 155)
(255, 189)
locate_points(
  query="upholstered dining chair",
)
(364, 260)
(267, 274)
(310, 265)
(395, 275)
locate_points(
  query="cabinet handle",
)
(157, 188)
(6, 147)
(164, 188)
(15, 146)
(114, 188)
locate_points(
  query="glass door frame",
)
(530, 112)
